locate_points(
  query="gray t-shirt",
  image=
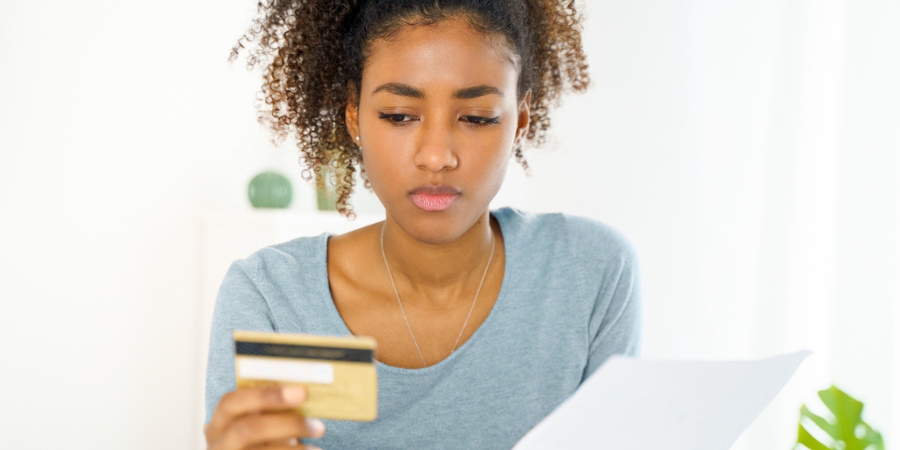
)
(570, 298)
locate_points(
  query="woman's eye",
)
(478, 120)
(397, 118)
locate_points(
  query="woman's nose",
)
(436, 149)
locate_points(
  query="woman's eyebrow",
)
(406, 90)
(400, 89)
(477, 91)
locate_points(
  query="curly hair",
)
(315, 49)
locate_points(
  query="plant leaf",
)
(843, 429)
(872, 438)
(848, 412)
(821, 422)
(848, 419)
(809, 441)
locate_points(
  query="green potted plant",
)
(844, 430)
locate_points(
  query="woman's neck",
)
(438, 275)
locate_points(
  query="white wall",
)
(748, 149)
(119, 123)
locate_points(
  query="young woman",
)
(485, 320)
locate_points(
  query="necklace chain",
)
(403, 312)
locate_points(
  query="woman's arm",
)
(610, 269)
(618, 330)
(247, 418)
(239, 306)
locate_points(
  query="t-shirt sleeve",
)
(239, 306)
(615, 324)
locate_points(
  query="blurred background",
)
(750, 150)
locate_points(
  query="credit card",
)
(338, 372)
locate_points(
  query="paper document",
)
(633, 404)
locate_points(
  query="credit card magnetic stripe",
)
(243, 348)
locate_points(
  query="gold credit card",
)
(338, 372)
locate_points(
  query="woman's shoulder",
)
(299, 246)
(281, 287)
(283, 261)
(580, 235)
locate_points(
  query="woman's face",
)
(437, 120)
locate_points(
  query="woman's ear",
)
(351, 112)
(524, 116)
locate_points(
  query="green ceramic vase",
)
(269, 190)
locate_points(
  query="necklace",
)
(471, 308)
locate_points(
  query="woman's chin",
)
(435, 234)
(436, 228)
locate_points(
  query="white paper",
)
(633, 404)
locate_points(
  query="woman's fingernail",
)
(316, 427)
(293, 395)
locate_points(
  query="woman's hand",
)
(248, 419)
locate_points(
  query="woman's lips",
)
(434, 198)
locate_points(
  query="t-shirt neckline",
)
(335, 315)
